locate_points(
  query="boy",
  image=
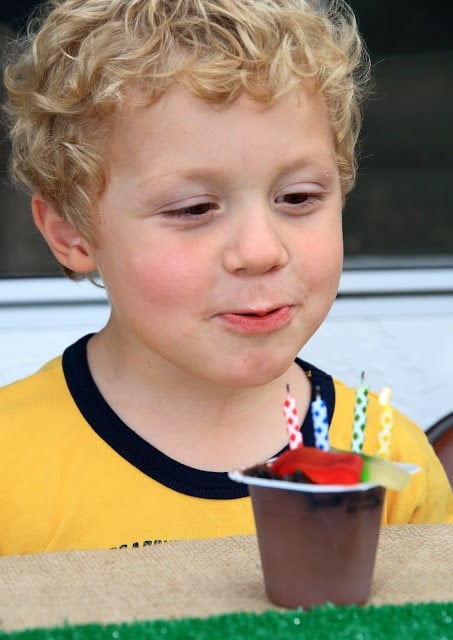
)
(196, 155)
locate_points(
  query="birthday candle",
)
(292, 421)
(320, 422)
(386, 421)
(358, 427)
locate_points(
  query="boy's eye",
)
(299, 201)
(195, 210)
(191, 211)
(293, 198)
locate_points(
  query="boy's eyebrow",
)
(179, 176)
(189, 174)
(326, 167)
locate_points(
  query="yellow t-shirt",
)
(74, 476)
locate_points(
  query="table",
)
(198, 578)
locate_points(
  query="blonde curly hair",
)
(83, 62)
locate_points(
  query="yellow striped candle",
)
(385, 432)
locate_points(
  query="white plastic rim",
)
(238, 476)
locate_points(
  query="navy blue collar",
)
(142, 455)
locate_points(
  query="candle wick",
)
(287, 388)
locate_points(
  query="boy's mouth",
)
(258, 320)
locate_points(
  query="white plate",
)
(238, 476)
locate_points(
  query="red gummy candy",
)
(321, 467)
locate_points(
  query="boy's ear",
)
(66, 243)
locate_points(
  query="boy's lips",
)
(258, 320)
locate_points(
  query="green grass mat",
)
(433, 621)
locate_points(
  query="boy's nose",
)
(256, 244)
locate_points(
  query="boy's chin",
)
(255, 372)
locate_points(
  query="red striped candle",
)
(292, 421)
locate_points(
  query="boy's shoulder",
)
(27, 393)
(36, 414)
(345, 398)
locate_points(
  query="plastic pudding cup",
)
(317, 543)
(317, 547)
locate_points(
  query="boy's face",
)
(219, 235)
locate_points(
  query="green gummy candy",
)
(384, 473)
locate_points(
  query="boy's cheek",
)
(167, 276)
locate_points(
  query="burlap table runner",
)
(198, 579)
